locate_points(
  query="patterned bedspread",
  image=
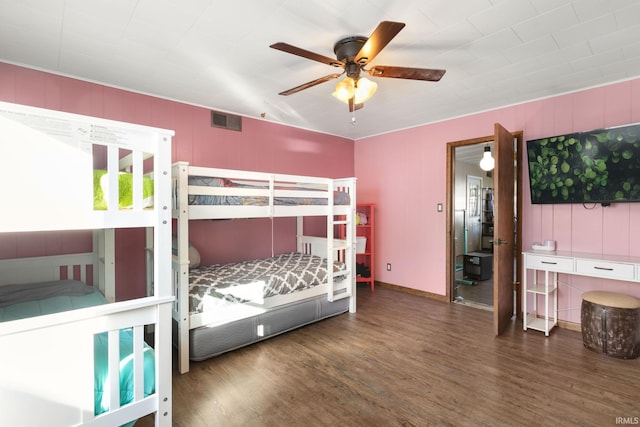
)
(253, 281)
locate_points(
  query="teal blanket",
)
(100, 355)
(125, 190)
(22, 301)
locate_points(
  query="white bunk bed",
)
(64, 367)
(257, 313)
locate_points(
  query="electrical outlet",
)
(388, 266)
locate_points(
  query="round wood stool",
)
(611, 324)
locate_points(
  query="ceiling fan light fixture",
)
(344, 89)
(365, 89)
(361, 90)
(487, 162)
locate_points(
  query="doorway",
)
(473, 228)
(499, 257)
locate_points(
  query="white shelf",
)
(538, 323)
(543, 293)
(541, 289)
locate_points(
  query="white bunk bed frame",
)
(57, 146)
(331, 247)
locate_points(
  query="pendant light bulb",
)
(487, 162)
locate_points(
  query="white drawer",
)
(609, 269)
(548, 262)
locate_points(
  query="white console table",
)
(552, 263)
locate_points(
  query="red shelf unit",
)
(367, 231)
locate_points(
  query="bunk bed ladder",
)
(180, 181)
(347, 226)
(344, 253)
(330, 252)
(340, 248)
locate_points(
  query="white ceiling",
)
(216, 54)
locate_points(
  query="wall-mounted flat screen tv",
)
(599, 166)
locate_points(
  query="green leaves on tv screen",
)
(600, 166)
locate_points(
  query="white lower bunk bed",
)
(69, 354)
(223, 307)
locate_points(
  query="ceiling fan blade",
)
(310, 84)
(381, 36)
(406, 73)
(285, 47)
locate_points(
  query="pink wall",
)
(411, 233)
(261, 146)
(405, 174)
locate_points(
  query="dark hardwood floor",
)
(406, 360)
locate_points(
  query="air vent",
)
(226, 121)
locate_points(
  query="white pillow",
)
(194, 255)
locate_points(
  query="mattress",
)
(206, 342)
(29, 300)
(216, 286)
(36, 299)
(339, 197)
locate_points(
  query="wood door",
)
(503, 229)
